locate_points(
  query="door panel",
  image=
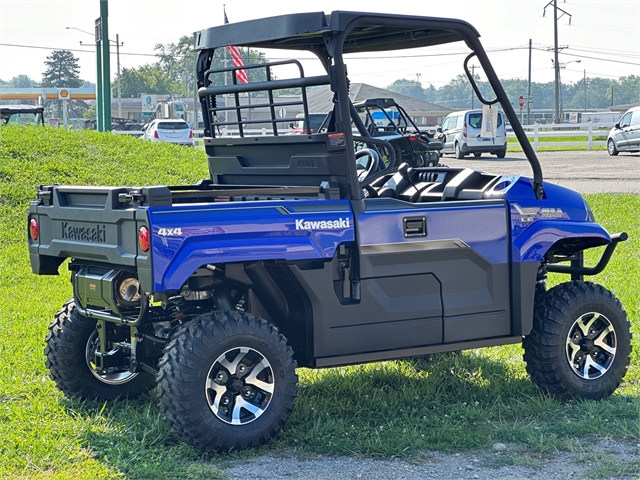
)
(634, 130)
(622, 134)
(465, 248)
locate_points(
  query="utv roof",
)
(366, 32)
(14, 109)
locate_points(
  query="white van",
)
(460, 134)
(625, 136)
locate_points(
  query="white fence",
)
(587, 130)
(534, 133)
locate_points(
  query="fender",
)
(187, 237)
(532, 244)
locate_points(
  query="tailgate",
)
(87, 223)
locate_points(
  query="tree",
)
(410, 88)
(22, 81)
(63, 71)
(174, 70)
(148, 79)
(177, 60)
(456, 94)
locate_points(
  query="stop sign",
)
(521, 101)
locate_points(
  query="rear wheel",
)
(580, 343)
(458, 151)
(501, 153)
(611, 148)
(227, 381)
(477, 154)
(70, 346)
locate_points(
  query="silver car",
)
(625, 135)
(171, 131)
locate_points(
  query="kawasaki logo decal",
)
(302, 224)
(93, 234)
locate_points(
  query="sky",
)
(604, 35)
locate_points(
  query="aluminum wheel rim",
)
(591, 346)
(611, 146)
(110, 377)
(239, 386)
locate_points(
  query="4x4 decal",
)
(170, 232)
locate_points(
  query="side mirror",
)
(617, 125)
(439, 130)
(291, 125)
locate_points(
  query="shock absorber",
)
(541, 279)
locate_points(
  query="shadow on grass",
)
(398, 408)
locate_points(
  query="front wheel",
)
(70, 346)
(611, 148)
(580, 343)
(458, 152)
(227, 381)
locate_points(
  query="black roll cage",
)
(329, 37)
(7, 111)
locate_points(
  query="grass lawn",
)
(514, 146)
(398, 408)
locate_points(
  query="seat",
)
(397, 183)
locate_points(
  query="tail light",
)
(155, 134)
(464, 129)
(143, 239)
(190, 133)
(34, 229)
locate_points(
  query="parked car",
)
(315, 120)
(625, 135)
(171, 131)
(117, 123)
(460, 134)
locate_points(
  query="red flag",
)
(241, 75)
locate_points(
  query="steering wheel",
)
(363, 170)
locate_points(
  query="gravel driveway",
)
(586, 172)
(483, 465)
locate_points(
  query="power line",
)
(592, 58)
(87, 51)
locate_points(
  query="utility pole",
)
(529, 89)
(118, 60)
(612, 96)
(556, 63)
(585, 89)
(473, 73)
(98, 44)
(99, 102)
(104, 49)
(195, 84)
